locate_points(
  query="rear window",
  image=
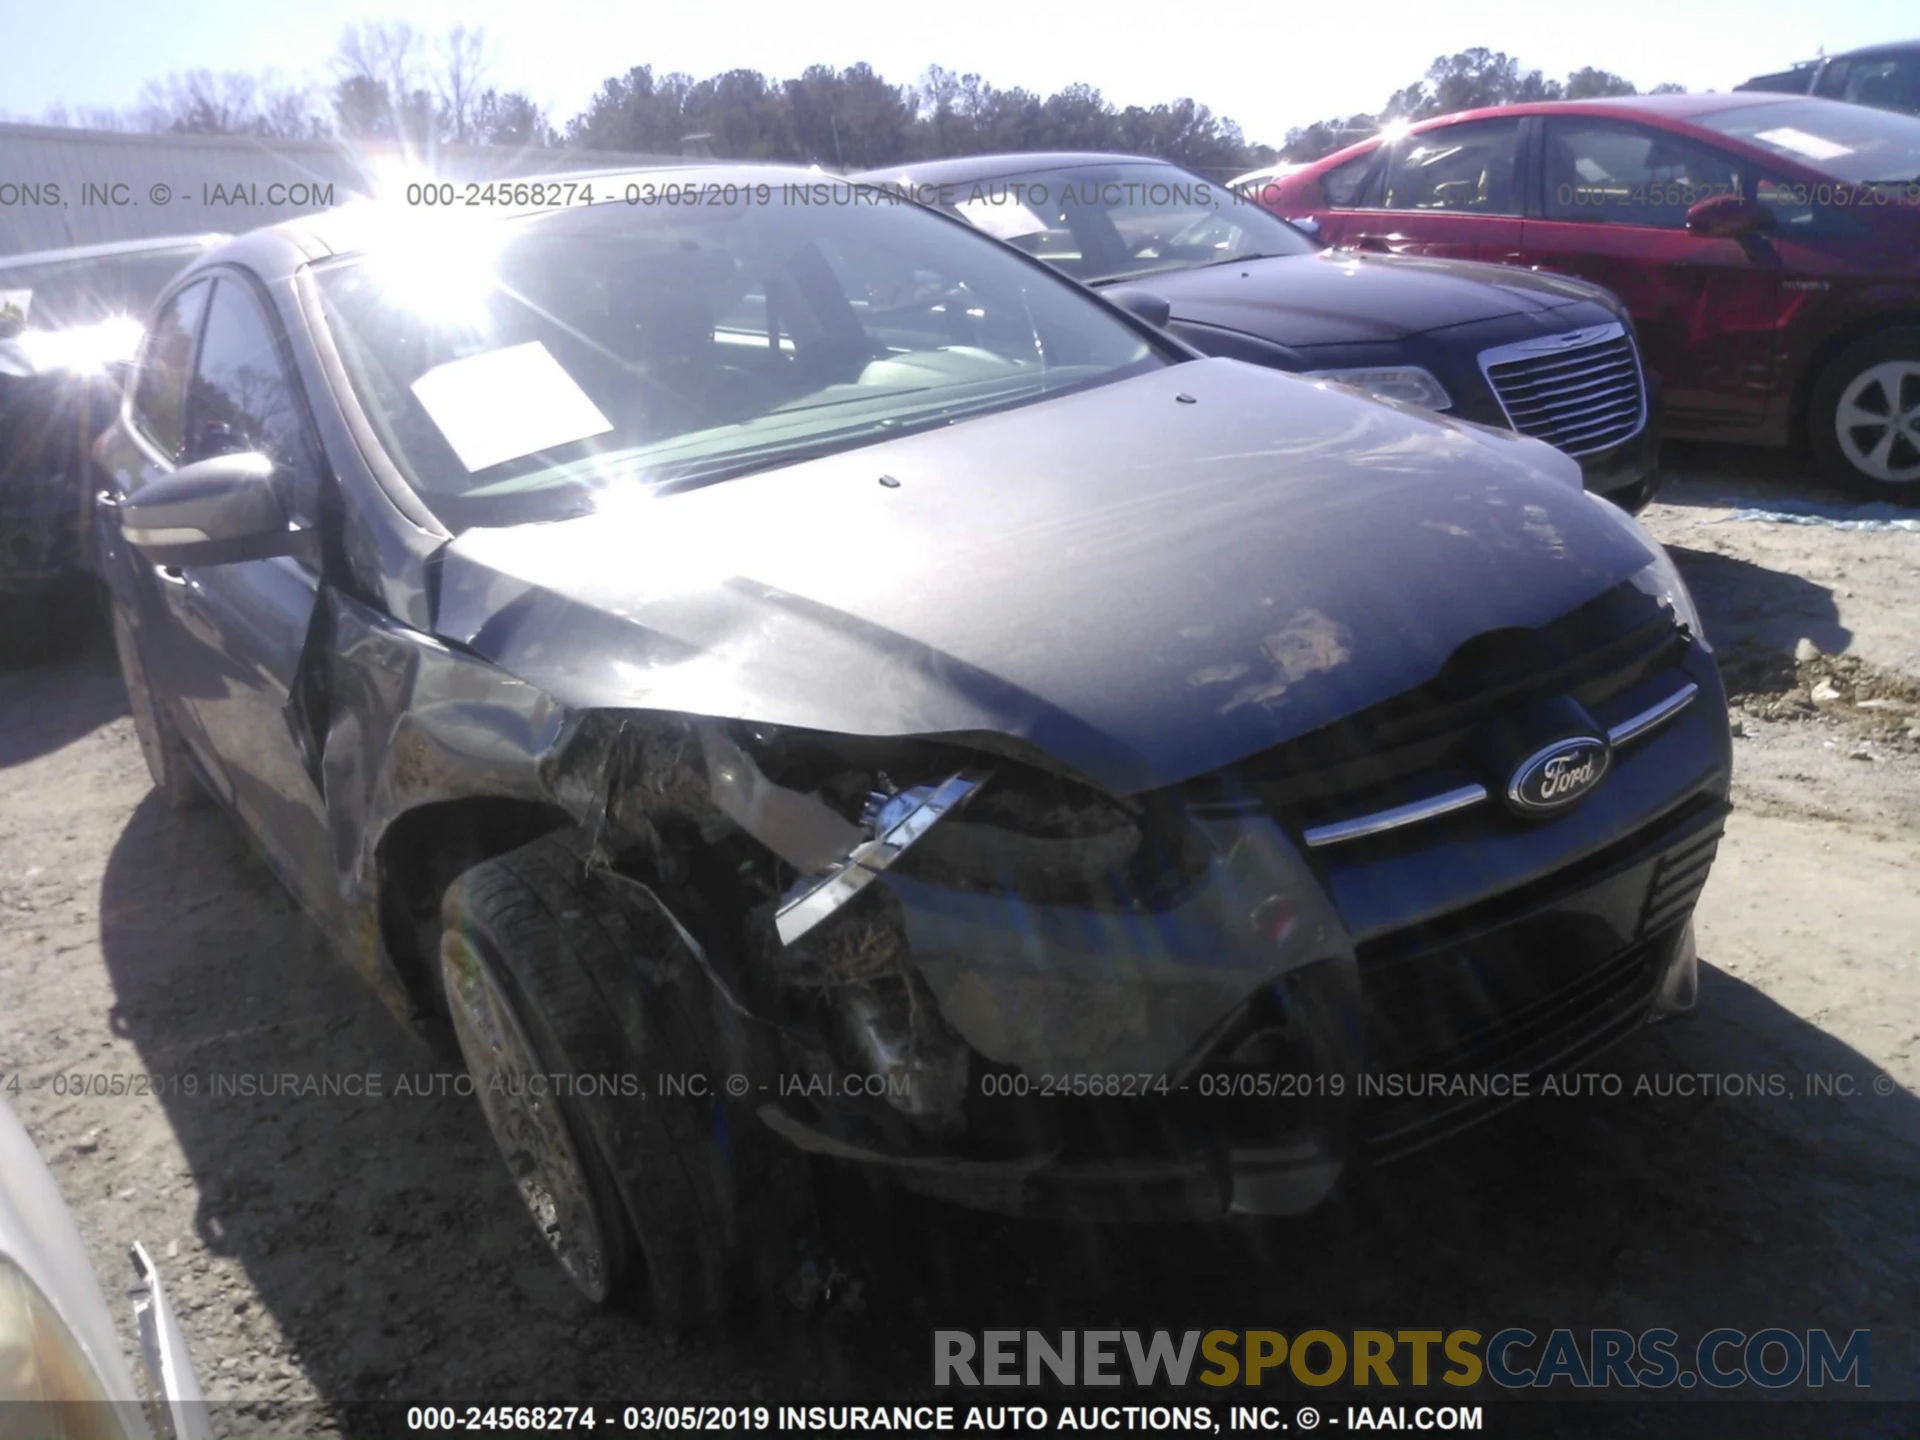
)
(1112, 222)
(1849, 142)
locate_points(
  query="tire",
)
(160, 743)
(1864, 416)
(22, 641)
(552, 970)
(49, 623)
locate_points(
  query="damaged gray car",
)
(782, 675)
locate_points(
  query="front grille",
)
(1580, 398)
(1415, 745)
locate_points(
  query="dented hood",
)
(1148, 579)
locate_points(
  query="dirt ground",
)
(328, 1250)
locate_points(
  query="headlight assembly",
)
(1660, 578)
(45, 1371)
(1407, 383)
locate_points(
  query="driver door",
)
(1614, 211)
(238, 631)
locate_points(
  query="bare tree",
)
(380, 89)
(393, 82)
(199, 102)
(460, 77)
(387, 53)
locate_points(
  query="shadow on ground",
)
(1697, 473)
(37, 717)
(1742, 603)
(384, 1241)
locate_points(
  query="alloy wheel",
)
(1878, 421)
(517, 1095)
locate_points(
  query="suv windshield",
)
(514, 369)
(1849, 142)
(1099, 223)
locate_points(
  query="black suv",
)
(1886, 77)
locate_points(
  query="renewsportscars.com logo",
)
(1514, 1358)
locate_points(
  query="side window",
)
(241, 397)
(1888, 83)
(1462, 169)
(1801, 210)
(1614, 174)
(1342, 185)
(159, 392)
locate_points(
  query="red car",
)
(1767, 246)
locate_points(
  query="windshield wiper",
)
(696, 474)
(1241, 260)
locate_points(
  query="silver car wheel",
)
(1877, 421)
(516, 1093)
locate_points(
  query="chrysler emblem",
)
(1558, 776)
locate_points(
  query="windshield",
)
(1849, 142)
(517, 369)
(54, 294)
(1099, 223)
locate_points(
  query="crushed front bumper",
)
(1425, 1031)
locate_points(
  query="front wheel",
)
(589, 1044)
(1864, 418)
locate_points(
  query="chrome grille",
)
(1581, 391)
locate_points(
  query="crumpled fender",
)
(409, 721)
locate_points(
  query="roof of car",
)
(1673, 107)
(1685, 109)
(1868, 52)
(113, 249)
(960, 169)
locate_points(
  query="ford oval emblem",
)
(1558, 776)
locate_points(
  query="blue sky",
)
(1269, 65)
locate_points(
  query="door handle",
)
(1513, 257)
(171, 574)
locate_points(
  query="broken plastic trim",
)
(813, 900)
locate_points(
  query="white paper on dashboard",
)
(1002, 216)
(507, 403)
(1801, 143)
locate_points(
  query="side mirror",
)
(1141, 304)
(1728, 217)
(212, 512)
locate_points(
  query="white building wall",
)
(61, 187)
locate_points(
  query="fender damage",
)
(742, 731)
